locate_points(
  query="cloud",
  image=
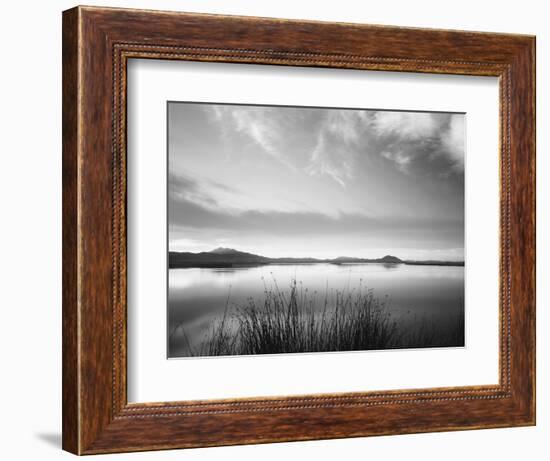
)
(400, 158)
(328, 143)
(205, 193)
(335, 162)
(184, 213)
(416, 142)
(340, 136)
(347, 125)
(264, 126)
(424, 144)
(327, 138)
(354, 178)
(453, 141)
(406, 125)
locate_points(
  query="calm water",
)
(197, 297)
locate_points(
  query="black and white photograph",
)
(313, 229)
(275, 230)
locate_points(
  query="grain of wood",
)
(97, 42)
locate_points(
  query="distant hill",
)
(225, 251)
(434, 263)
(390, 259)
(386, 259)
(220, 257)
(229, 257)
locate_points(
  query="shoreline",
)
(228, 265)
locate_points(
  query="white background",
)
(153, 378)
(30, 244)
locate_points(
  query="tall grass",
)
(291, 322)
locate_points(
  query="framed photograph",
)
(334, 178)
(282, 230)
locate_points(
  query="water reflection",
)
(199, 296)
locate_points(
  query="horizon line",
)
(314, 257)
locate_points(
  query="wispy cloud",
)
(340, 135)
(415, 142)
(417, 139)
(184, 212)
(406, 125)
(401, 159)
(205, 193)
(333, 136)
(332, 140)
(347, 125)
(453, 140)
(262, 125)
(335, 162)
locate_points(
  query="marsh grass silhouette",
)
(291, 322)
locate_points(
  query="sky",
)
(315, 182)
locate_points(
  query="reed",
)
(290, 321)
(295, 320)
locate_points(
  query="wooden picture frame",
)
(97, 43)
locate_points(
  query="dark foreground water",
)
(416, 295)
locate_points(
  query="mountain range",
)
(229, 257)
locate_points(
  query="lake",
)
(198, 297)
